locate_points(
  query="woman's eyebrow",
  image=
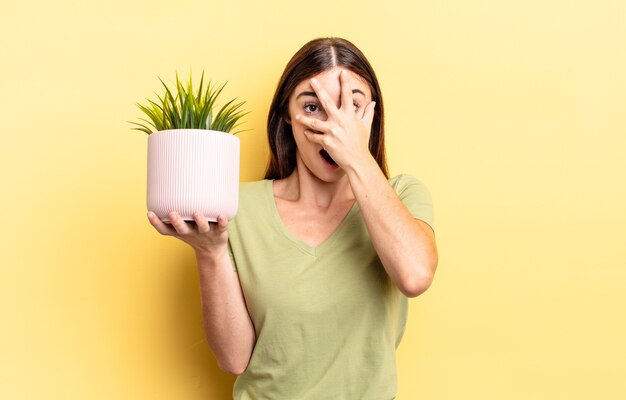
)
(305, 93)
(313, 94)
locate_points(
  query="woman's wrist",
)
(360, 166)
(211, 256)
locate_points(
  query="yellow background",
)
(512, 112)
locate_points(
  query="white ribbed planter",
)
(193, 170)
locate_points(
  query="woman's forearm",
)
(227, 325)
(405, 246)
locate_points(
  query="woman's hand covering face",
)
(345, 132)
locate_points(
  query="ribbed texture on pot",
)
(193, 170)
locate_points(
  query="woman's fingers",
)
(222, 224)
(181, 227)
(347, 101)
(313, 123)
(368, 115)
(315, 137)
(159, 225)
(327, 102)
(361, 112)
(201, 222)
(178, 223)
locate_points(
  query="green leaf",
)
(185, 107)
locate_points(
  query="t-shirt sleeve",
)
(415, 196)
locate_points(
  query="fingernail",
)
(314, 81)
(150, 214)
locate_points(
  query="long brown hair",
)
(317, 56)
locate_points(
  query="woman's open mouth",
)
(328, 158)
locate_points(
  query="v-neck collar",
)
(302, 245)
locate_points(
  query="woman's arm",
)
(406, 246)
(227, 325)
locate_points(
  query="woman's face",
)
(304, 101)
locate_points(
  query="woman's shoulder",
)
(415, 196)
(402, 182)
(253, 186)
(253, 193)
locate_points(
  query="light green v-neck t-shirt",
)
(327, 319)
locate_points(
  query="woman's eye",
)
(311, 108)
(356, 106)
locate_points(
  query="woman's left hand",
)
(346, 131)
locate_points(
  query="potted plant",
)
(193, 158)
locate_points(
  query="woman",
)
(304, 293)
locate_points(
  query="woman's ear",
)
(287, 119)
